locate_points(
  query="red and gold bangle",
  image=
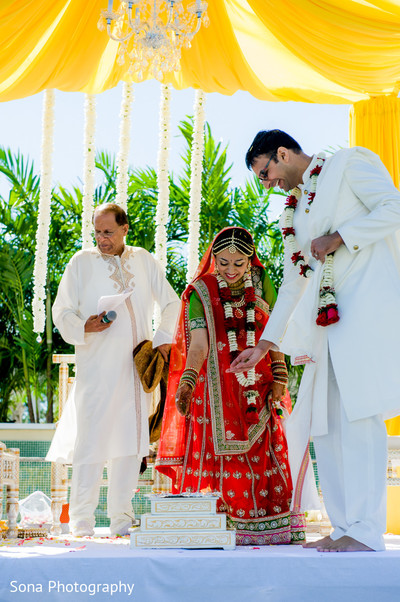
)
(189, 377)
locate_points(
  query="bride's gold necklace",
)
(236, 288)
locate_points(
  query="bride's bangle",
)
(189, 377)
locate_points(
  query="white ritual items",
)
(183, 521)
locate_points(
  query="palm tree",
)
(18, 339)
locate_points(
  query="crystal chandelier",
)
(159, 29)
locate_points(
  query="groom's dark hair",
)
(268, 141)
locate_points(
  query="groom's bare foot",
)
(343, 544)
(315, 544)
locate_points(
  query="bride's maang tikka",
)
(232, 248)
(233, 244)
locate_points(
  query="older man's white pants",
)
(352, 461)
(122, 477)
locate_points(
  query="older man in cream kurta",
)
(106, 417)
(352, 381)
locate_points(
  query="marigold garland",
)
(327, 307)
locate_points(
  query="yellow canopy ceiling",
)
(325, 51)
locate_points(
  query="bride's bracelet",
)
(279, 372)
(189, 377)
(281, 381)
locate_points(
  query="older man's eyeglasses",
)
(263, 175)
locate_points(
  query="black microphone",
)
(109, 317)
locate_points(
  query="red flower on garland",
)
(304, 269)
(287, 231)
(328, 315)
(332, 313)
(225, 294)
(231, 323)
(252, 416)
(296, 257)
(311, 197)
(249, 294)
(316, 170)
(291, 201)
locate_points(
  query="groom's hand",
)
(248, 358)
(323, 245)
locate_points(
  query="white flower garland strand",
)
(43, 220)
(121, 198)
(88, 170)
(290, 238)
(163, 177)
(163, 188)
(327, 293)
(196, 167)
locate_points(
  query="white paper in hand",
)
(111, 302)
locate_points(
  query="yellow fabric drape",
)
(393, 426)
(355, 44)
(326, 51)
(375, 124)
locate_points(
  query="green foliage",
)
(25, 361)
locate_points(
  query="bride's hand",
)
(277, 391)
(182, 398)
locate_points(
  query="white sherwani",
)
(106, 416)
(356, 197)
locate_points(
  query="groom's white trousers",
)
(352, 464)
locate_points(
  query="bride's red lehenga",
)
(214, 448)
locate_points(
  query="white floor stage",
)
(80, 569)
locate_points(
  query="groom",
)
(344, 204)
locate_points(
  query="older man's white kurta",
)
(355, 196)
(108, 404)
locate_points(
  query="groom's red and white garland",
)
(327, 307)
